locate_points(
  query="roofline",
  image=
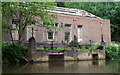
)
(74, 12)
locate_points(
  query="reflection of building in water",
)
(85, 63)
(102, 63)
(95, 62)
(71, 66)
(56, 65)
(56, 57)
(67, 67)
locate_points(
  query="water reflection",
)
(56, 65)
(96, 66)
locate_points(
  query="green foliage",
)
(74, 43)
(40, 49)
(86, 49)
(63, 49)
(25, 13)
(60, 4)
(112, 52)
(106, 10)
(87, 46)
(98, 46)
(119, 51)
(53, 49)
(13, 53)
(94, 47)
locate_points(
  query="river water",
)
(96, 66)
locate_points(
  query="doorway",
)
(95, 56)
(56, 57)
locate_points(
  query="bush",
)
(111, 52)
(98, 46)
(119, 51)
(74, 43)
(53, 49)
(13, 53)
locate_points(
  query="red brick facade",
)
(91, 29)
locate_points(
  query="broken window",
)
(67, 34)
(50, 35)
(56, 24)
(79, 26)
(15, 21)
(62, 24)
(67, 25)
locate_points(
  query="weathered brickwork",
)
(91, 29)
(43, 55)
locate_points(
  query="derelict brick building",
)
(72, 22)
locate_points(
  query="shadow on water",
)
(95, 62)
(92, 66)
(56, 65)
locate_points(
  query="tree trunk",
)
(20, 28)
(11, 36)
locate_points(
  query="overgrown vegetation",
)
(22, 14)
(118, 51)
(74, 43)
(53, 49)
(106, 10)
(98, 46)
(13, 53)
(112, 52)
(95, 47)
(65, 49)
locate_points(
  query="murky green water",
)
(100, 66)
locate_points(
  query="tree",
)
(22, 13)
(106, 10)
(60, 4)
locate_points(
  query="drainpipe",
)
(74, 34)
(101, 31)
(102, 38)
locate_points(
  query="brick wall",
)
(91, 29)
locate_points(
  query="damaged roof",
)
(70, 11)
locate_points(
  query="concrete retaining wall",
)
(43, 55)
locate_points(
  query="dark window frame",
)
(67, 34)
(56, 24)
(68, 25)
(50, 35)
(79, 26)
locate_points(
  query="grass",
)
(53, 49)
(64, 49)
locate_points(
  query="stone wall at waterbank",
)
(43, 55)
